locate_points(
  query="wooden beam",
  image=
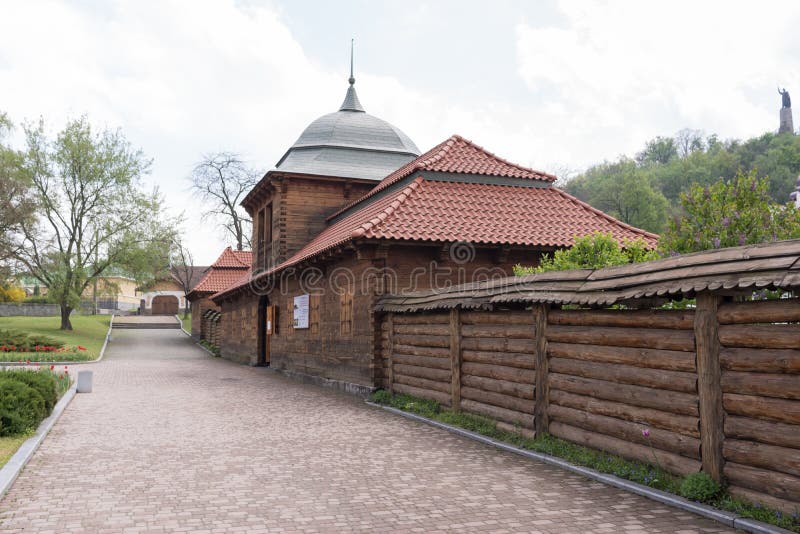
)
(455, 359)
(542, 387)
(389, 350)
(709, 384)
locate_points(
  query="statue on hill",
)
(786, 125)
(787, 102)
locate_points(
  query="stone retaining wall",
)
(28, 309)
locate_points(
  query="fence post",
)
(541, 420)
(455, 359)
(390, 350)
(709, 388)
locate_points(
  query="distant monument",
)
(786, 113)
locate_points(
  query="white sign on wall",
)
(301, 311)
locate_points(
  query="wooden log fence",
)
(713, 388)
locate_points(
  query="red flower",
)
(52, 367)
(81, 348)
(66, 372)
(28, 362)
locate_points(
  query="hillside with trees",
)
(645, 190)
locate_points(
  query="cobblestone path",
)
(173, 440)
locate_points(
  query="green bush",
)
(42, 381)
(21, 407)
(592, 252)
(699, 487)
(382, 396)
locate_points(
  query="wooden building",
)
(350, 213)
(228, 269)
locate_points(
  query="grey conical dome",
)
(349, 143)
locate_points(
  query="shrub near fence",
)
(714, 388)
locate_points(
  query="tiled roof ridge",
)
(429, 159)
(388, 211)
(236, 255)
(230, 255)
(548, 176)
(409, 168)
(605, 215)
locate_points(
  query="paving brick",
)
(173, 440)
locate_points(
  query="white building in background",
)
(796, 193)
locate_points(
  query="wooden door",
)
(269, 329)
(165, 305)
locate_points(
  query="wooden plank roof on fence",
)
(766, 266)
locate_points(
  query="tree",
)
(92, 214)
(688, 141)
(672, 166)
(658, 150)
(623, 190)
(223, 180)
(729, 214)
(16, 201)
(181, 267)
(11, 292)
(592, 252)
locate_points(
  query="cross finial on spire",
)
(351, 79)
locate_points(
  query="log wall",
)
(498, 367)
(760, 364)
(625, 382)
(716, 388)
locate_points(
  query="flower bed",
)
(39, 339)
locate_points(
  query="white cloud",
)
(186, 77)
(180, 78)
(617, 73)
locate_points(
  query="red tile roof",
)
(228, 270)
(460, 156)
(428, 210)
(234, 258)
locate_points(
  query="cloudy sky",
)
(554, 85)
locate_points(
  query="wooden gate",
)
(165, 305)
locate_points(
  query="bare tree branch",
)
(222, 180)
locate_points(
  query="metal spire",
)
(351, 79)
(351, 102)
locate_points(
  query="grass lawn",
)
(187, 322)
(88, 331)
(9, 445)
